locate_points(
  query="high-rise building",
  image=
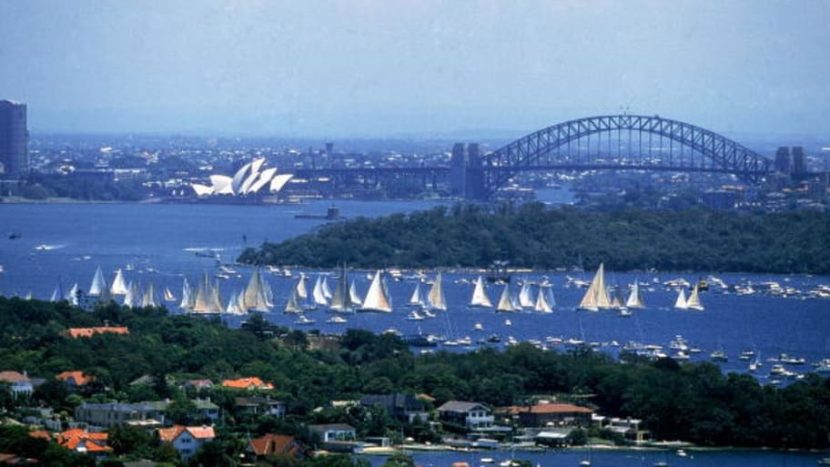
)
(799, 163)
(14, 139)
(782, 160)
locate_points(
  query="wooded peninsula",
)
(537, 236)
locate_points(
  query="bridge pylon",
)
(467, 172)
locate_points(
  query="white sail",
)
(130, 298)
(28, 296)
(680, 303)
(436, 298)
(188, 300)
(693, 303)
(634, 299)
(526, 296)
(596, 296)
(293, 305)
(57, 295)
(203, 297)
(240, 303)
(354, 295)
(377, 298)
(232, 308)
(302, 290)
(149, 298)
(542, 305)
(72, 296)
(168, 295)
(480, 297)
(317, 293)
(326, 291)
(416, 299)
(99, 284)
(119, 285)
(505, 301)
(255, 294)
(340, 300)
(267, 292)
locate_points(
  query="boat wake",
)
(45, 247)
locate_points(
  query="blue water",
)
(160, 241)
(620, 458)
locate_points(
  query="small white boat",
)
(414, 316)
(303, 320)
(507, 322)
(478, 327)
(337, 320)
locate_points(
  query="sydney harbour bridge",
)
(609, 142)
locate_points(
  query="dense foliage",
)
(694, 402)
(548, 238)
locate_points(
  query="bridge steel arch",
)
(728, 156)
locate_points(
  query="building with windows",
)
(471, 415)
(14, 140)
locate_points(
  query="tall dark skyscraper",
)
(14, 139)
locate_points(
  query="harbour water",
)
(619, 458)
(164, 243)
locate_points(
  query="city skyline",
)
(379, 69)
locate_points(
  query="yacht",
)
(718, 356)
(414, 316)
(304, 320)
(337, 320)
(478, 327)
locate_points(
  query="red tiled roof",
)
(80, 378)
(12, 377)
(251, 382)
(40, 434)
(89, 332)
(274, 444)
(198, 432)
(75, 437)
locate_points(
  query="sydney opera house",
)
(253, 179)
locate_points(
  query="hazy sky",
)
(384, 68)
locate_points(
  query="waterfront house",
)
(140, 414)
(19, 383)
(250, 383)
(549, 414)
(187, 439)
(471, 415)
(274, 445)
(259, 406)
(401, 406)
(334, 432)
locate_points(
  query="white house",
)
(187, 439)
(469, 414)
(19, 383)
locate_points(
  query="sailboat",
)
(505, 301)
(216, 299)
(149, 299)
(293, 305)
(131, 297)
(188, 298)
(377, 297)
(302, 290)
(318, 294)
(596, 297)
(326, 291)
(72, 296)
(542, 305)
(233, 306)
(480, 298)
(57, 295)
(119, 285)
(204, 302)
(634, 299)
(168, 295)
(526, 296)
(341, 300)
(256, 294)
(417, 299)
(693, 303)
(680, 303)
(354, 296)
(435, 298)
(99, 284)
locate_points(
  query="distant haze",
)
(379, 68)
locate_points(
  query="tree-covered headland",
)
(690, 401)
(537, 236)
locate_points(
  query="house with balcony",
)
(471, 415)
